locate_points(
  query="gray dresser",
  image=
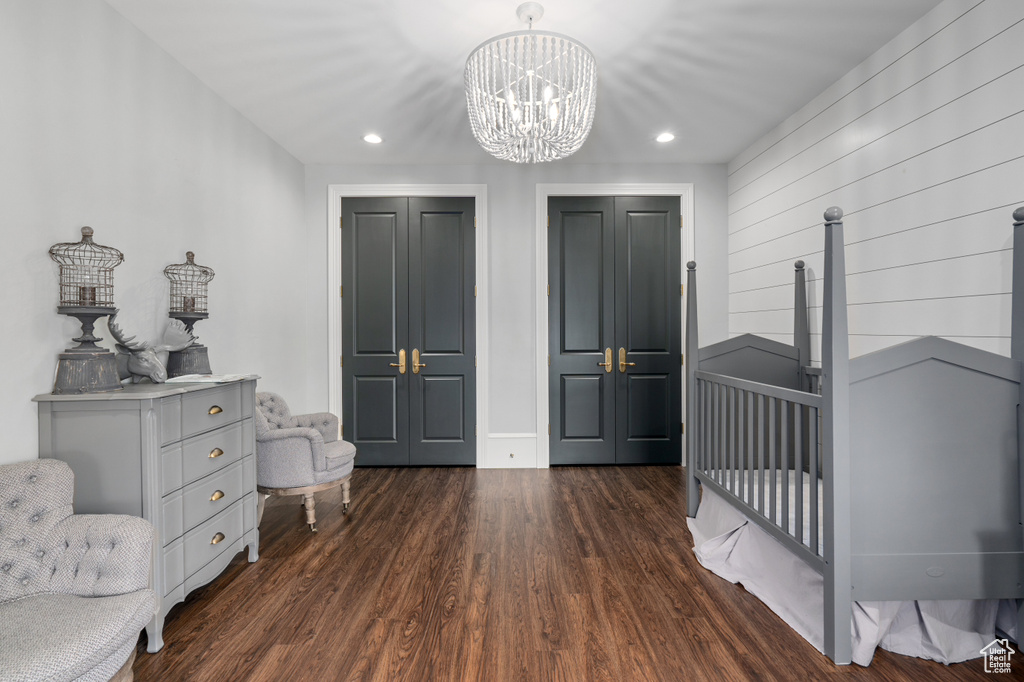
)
(181, 456)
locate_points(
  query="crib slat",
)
(760, 454)
(784, 442)
(750, 448)
(722, 444)
(798, 474)
(713, 430)
(731, 463)
(812, 455)
(771, 459)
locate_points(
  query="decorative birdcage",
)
(188, 285)
(188, 303)
(86, 293)
(86, 271)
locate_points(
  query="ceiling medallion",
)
(531, 94)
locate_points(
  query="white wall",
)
(100, 127)
(922, 145)
(511, 192)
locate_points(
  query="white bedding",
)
(742, 552)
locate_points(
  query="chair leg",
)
(310, 504)
(344, 496)
(261, 502)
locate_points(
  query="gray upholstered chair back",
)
(275, 410)
(45, 548)
(34, 497)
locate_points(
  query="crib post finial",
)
(690, 367)
(801, 331)
(1017, 287)
(835, 369)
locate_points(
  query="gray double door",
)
(409, 330)
(614, 312)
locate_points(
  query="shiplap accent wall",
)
(922, 145)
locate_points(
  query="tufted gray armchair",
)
(299, 455)
(74, 590)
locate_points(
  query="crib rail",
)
(758, 446)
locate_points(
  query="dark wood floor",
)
(572, 574)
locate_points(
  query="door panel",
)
(375, 299)
(614, 276)
(374, 400)
(444, 401)
(648, 325)
(581, 310)
(646, 255)
(408, 274)
(581, 295)
(442, 289)
(582, 399)
(442, 327)
(375, 282)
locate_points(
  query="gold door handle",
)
(416, 364)
(217, 494)
(219, 537)
(216, 409)
(607, 364)
(622, 361)
(401, 362)
(216, 452)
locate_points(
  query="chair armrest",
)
(289, 455)
(324, 422)
(98, 555)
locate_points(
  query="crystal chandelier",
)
(531, 94)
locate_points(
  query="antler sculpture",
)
(139, 360)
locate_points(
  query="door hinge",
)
(682, 428)
(474, 291)
(549, 429)
(549, 290)
(549, 221)
(680, 221)
(474, 361)
(680, 289)
(682, 358)
(341, 361)
(549, 359)
(339, 222)
(474, 222)
(343, 432)
(341, 292)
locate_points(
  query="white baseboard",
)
(510, 451)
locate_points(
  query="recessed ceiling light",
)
(373, 138)
(665, 137)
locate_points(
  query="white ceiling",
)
(316, 75)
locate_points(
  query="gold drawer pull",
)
(216, 452)
(216, 409)
(216, 495)
(217, 538)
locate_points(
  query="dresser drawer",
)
(205, 410)
(213, 494)
(205, 542)
(203, 455)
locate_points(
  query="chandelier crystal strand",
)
(531, 96)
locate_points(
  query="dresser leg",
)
(155, 633)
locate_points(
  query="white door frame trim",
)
(335, 193)
(685, 193)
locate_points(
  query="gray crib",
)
(913, 453)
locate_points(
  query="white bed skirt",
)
(741, 552)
